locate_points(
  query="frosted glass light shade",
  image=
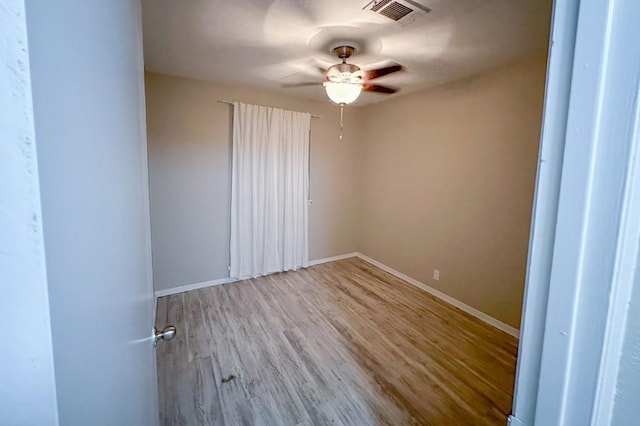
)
(342, 93)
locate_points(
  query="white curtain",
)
(269, 190)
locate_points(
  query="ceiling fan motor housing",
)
(344, 52)
(343, 72)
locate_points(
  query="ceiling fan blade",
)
(379, 72)
(378, 89)
(289, 85)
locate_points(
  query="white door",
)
(85, 59)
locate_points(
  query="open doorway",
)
(585, 360)
(430, 185)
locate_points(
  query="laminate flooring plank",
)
(161, 312)
(318, 400)
(300, 382)
(266, 385)
(228, 360)
(346, 384)
(338, 361)
(160, 320)
(442, 367)
(472, 358)
(446, 375)
(193, 397)
(196, 330)
(342, 343)
(170, 359)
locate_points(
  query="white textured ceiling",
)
(265, 43)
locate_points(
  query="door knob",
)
(167, 333)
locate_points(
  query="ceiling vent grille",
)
(405, 12)
(377, 5)
(396, 11)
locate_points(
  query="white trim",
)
(446, 298)
(333, 258)
(196, 286)
(625, 271)
(624, 276)
(514, 421)
(545, 208)
(220, 281)
(593, 258)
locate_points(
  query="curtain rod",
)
(231, 103)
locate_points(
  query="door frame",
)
(584, 235)
(545, 388)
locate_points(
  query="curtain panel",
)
(269, 190)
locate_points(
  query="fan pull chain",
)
(341, 117)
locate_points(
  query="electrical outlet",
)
(436, 274)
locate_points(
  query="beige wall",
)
(447, 179)
(189, 137)
(440, 179)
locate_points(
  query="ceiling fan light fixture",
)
(342, 93)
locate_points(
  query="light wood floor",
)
(343, 343)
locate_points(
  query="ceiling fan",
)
(344, 81)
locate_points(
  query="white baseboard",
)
(514, 421)
(189, 287)
(196, 286)
(333, 258)
(450, 300)
(440, 295)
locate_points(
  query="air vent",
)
(396, 11)
(405, 12)
(377, 5)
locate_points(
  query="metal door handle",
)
(168, 333)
